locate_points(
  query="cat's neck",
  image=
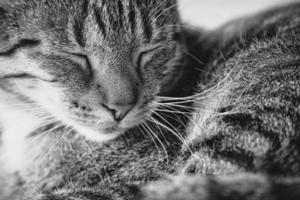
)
(16, 125)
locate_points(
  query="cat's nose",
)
(118, 111)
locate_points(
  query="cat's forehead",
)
(96, 23)
(120, 22)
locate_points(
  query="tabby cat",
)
(117, 99)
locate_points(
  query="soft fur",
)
(242, 141)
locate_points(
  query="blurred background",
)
(212, 13)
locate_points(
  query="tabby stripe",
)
(77, 30)
(21, 44)
(18, 76)
(146, 22)
(99, 20)
(131, 16)
(82, 195)
(121, 12)
(227, 151)
(79, 25)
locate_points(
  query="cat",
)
(87, 69)
(237, 87)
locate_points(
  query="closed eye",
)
(23, 43)
(25, 76)
(140, 61)
(86, 62)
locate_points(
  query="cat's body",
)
(246, 122)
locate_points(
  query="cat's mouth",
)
(103, 128)
(110, 130)
(100, 134)
(101, 131)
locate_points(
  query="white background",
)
(211, 13)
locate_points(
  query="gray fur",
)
(243, 141)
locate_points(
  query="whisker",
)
(194, 57)
(171, 111)
(178, 135)
(46, 132)
(174, 116)
(149, 134)
(157, 138)
(170, 7)
(206, 93)
(172, 26)
(159, 7)
(55, 143)
(187, 109)
(26, 193)
(161, 117)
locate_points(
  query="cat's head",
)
(94, 64)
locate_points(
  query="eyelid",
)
(145, 52)
(81, 55)
(26, 76)
(151, 48)
(86, 59)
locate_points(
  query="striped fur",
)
(242, 140)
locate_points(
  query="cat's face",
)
(95, 65)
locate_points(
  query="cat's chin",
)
(99, 136)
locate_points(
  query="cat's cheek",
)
(22, 85)
(45, 95)
(35, 90)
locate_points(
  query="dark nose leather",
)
(119, 111)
